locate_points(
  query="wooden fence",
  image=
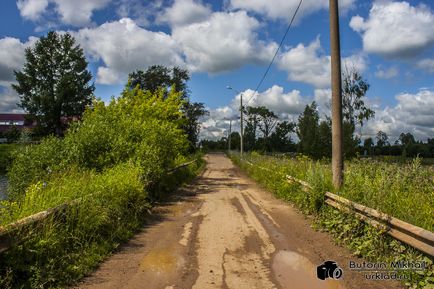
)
(412, 235)
(17, 232)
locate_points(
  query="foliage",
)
(307, 131)
(138, 126)
(109, 168)
(54, 82)
(401, 190)
(354, 88)
(160, 78)
(108, 208)
(6, 152)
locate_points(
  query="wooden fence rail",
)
(412, 235)
(15, 233)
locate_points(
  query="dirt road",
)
(224, 231)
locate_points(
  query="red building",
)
(18, 120)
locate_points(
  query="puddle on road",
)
(159, 260)
(293, 270)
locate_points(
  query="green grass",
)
(6, 156)
(405, 191)
(112, 205)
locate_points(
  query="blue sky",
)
(231, 42)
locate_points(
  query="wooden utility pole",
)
(337, 145)
(229, 136)
(241, 116)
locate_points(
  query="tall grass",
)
(404, 191)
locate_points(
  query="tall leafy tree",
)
(280, 139)
(54, 82)
(307, 131)
(354, 110)
(158, 77)
(382, 139)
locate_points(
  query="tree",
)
(354, 89)
(280, 139)
(354, 110)
(325, 138)
(54, 83)
(382, 139)
(307, 131)
(368, 144)
(160, 78)
(266, 124)
(193, 111)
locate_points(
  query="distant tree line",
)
(264, 132)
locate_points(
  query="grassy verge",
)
(404, 191)
(112, 206)
(6, 156)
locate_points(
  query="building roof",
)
(12, 116)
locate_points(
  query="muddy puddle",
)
(293, 270)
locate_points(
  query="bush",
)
(107, 168)
(139, 126)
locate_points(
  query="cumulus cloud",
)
(9, 99)
(12, 57)
(309, 64)
(281, 9)
(32, 9)
(413, 113)
(184, 12)
(223, 42)
(387, 73)
(287, 105)
(77, 12)
(123, 46)
(395, 29)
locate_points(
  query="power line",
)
(275, 54)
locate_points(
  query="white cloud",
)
(426, 64)
(224, 42)
(32, 9)
(287, 105)
(283, 9)
(275, 99)
(413, 113)
(309, 64)
(395, 29)
(388, 73)
(9, 99)
(123, 47)
(184, 12)
(77, 12)
(12, 57)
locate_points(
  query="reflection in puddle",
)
(292, 270)
(159, 260)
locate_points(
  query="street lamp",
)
(241, 118)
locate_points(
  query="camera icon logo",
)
(329, 269)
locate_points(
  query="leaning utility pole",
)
(337, 146)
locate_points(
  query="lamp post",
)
(241, 118)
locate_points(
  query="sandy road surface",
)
(224, 231)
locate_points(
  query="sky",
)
(231, 42)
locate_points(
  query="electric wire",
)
(275, 54)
